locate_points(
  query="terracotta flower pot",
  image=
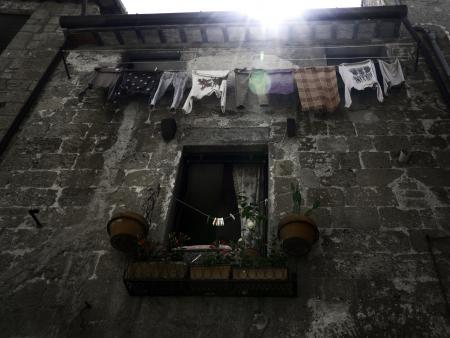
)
(298, 233)
(125, 229)
(156, 270)
(266, 273)
(210, 272)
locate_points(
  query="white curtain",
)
(247, 181)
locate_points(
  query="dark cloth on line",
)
(137, 83)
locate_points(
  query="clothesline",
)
(317, 86)
(227, 48)
(230, 216)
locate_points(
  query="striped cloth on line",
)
(317, 88)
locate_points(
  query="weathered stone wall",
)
(30, 52)
(80, 161)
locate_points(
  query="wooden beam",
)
(204, 35)
(182, 34)
(98, 38)
(119, 37)
(162, 36)
(139, 35)
(226, 38)
(355, 30)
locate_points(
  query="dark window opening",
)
(10, 24)
(209, 181)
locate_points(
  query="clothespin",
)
(233, 217)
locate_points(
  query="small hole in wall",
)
(2, 104)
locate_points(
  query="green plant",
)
(249, 210)
(297, 199)
(253, 214)
(219, 256)
(150, 250)
(176, 240)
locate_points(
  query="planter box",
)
(263, 273)
(156, 270)
(210, 272)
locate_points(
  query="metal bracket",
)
(32, 213)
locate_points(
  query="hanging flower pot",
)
(297, 233)
(125, 229)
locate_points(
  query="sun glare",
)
(269, 12)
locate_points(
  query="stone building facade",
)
(79, 161)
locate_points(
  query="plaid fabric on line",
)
(317, 88)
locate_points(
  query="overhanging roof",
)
(332, 25)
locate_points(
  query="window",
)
(10, 24)
(210, 178)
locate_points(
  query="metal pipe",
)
(440, 81)
(333, 14)
(431, 37)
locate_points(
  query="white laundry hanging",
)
(359, 75)
(206, 83)
(392, 74)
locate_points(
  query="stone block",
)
(37, 179)
(427, 142)
(308, 178)
(308, 127)
(443, 217)
(405, 128)
(344, 128)
(90, 161)
(79, 178)
(29, 197)
(360, 143)
(398, 218)
(80, 197)
(376, 160)
(375, 128)
(440, 127)
(370, 197)
(339, 178)
(306, 144)
(313, 160)
(77, 145)
(391, 143)
(37, 145)
(443, 158)
(141, 178)
(283, 168)
(377, 177)
(354, 217)
(54, 161)
(431, 176)
(332, 144)
(348, 160)
(328, 197)
(421, 159)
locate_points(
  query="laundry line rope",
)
(220, 221)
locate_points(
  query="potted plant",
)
(297, 231)
(216, 265)
(125, 229)
(270, 267)
(157, 261)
